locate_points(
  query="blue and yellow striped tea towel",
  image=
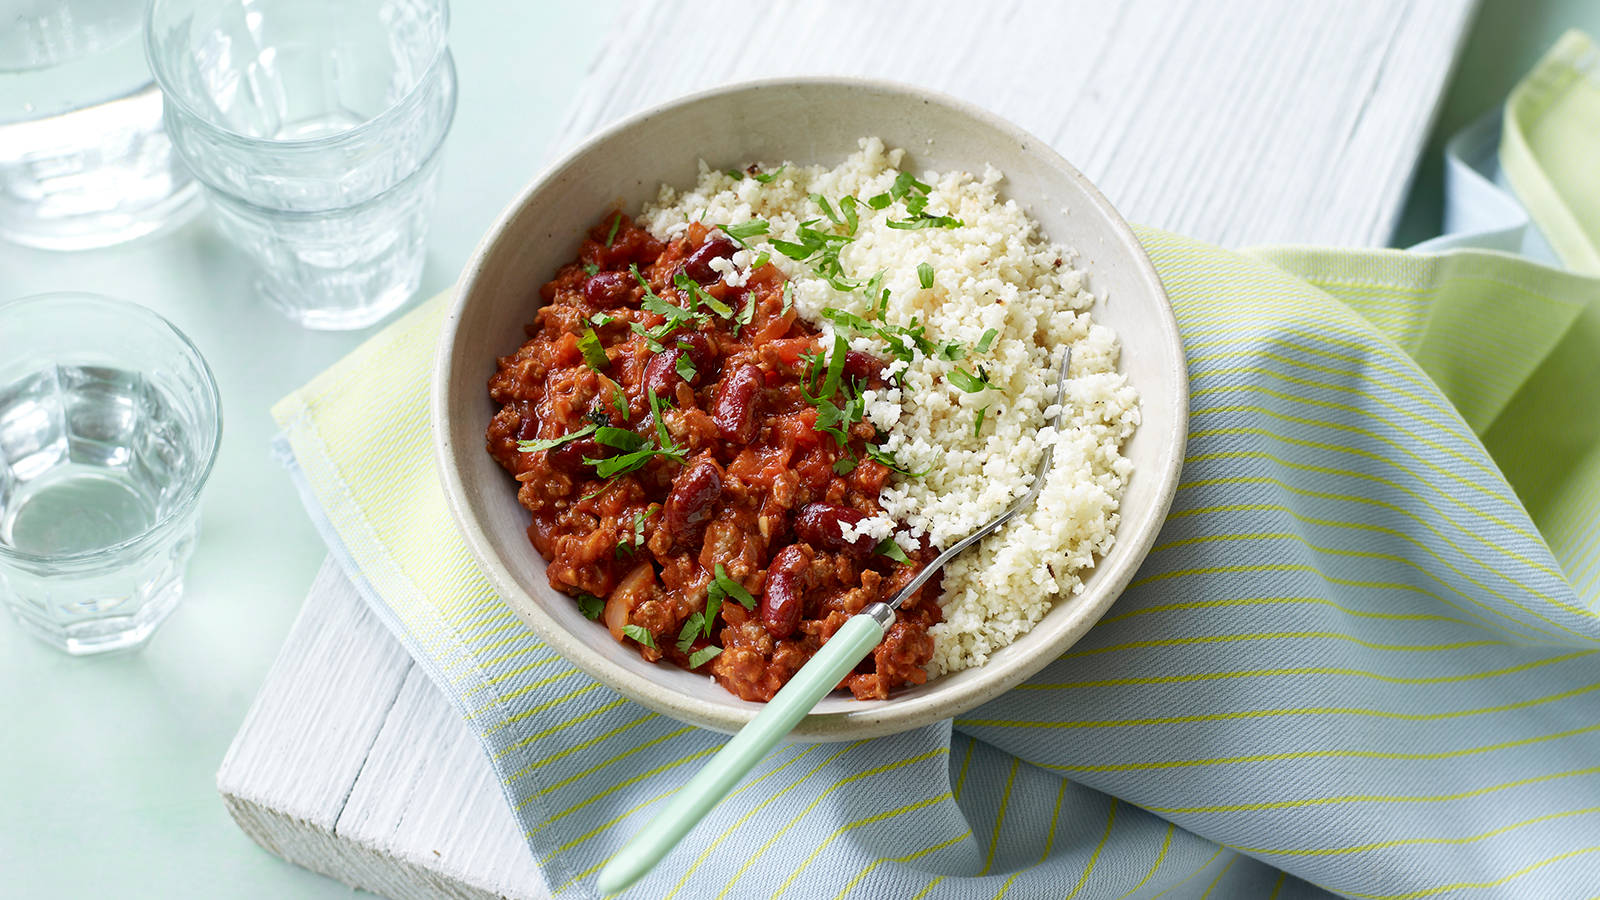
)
(1363, 656)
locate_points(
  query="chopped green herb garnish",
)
(735, 174)
(821, 249)
(639, 634)
(703, 655)
(766, 178)
(698, 295)
(690, 631)
(713, 605)
(844, 465)
(593, 354)
(635, 539)
(601, 320)
(591, 269)
(847, 207)
(618, 438)
(951, 351)
(887, 459)
(788, 298)
(587, 497)
(879, 201)
(977, 423)
(987, 341)
(549, 443)
(619, 402)
(612, 234)
(591, 606)
(746, 314)
(830, 380)
(661, 423)
(761, 259)
(685, 367)
(887, 547)
(967, 381)
(925, 275)
(745, 230)
(734, 589)
(925, 220)
(827, 209)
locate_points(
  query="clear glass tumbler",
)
(315, 127)
(109, 425)
(84, 161)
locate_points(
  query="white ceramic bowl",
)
(804, 121)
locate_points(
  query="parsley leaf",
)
(925, 275)
(844, 465)
(593, 354)
(967, 381)
(591, 269)
(885, 458)
(590, 605)
(788, 298)
(691, 630)
(618, 438)
(640, 634)
(977, 423)
(748, 313)
(703, 655)
(734, 589)
(714, 597)
(745, 230)
(735, 174)
(987, 341)
(612, 234)
(847, 207)
(887, 547)
(549, 443)
(685, 367)
(924, 220)
(766, 177)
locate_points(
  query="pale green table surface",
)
(107, 765)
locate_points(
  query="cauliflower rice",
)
(993, 272)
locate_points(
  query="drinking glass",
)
(84, 161)
(315, 128)
(109, 425)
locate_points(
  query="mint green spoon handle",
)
(848, 646)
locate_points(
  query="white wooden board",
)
(1237, 122)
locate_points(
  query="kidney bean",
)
(607, 289)
(698, 347)
(694, 496)
(661, 373)
(818, 524)
(698, 263)
(568, 457)
(863, 366)
(735, 407)
(781, 603)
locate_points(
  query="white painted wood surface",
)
(1237, 122)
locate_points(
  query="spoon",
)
(815, 680)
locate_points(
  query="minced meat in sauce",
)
(723, 491)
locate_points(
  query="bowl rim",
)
(874, 718)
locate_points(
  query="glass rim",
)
(389, 113)
(208, 388)
(219, 194)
